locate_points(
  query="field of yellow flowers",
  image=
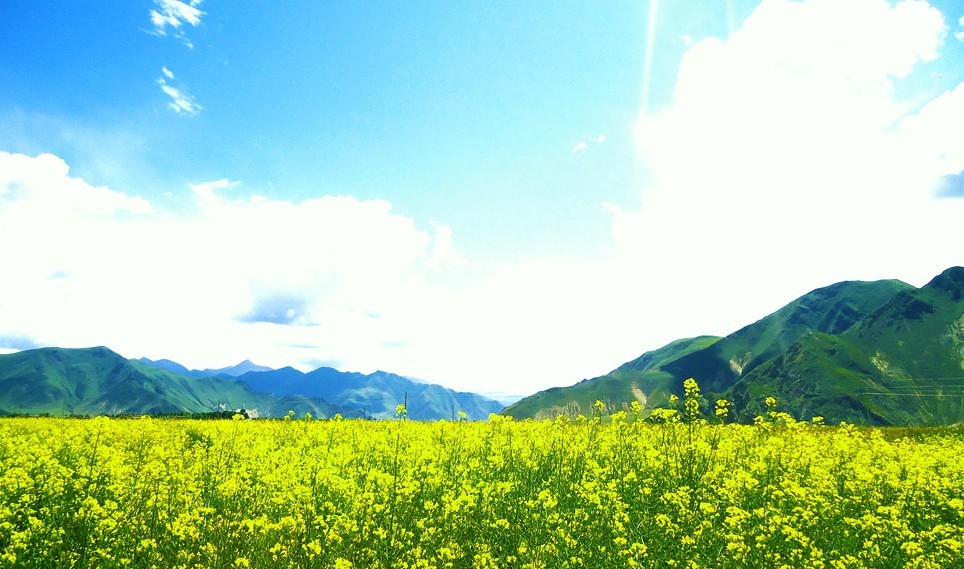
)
(594, 492)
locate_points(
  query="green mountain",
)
(94, 381)
(878, 352)
(903, 364)
(642, 379)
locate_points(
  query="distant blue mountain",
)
(166, 365)
(233, 371)
(376, 394)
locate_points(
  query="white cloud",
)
(206, 189)
(444, 252)
(579, 147)
(800, 94)
(806, 69)
(960, 35)
(31, 186)
(172, 15)
(90, 266)
(930, 139)
(181, 100)
(778, 166)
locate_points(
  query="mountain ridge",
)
(230, 371)
(817, 354)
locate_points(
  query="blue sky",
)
(445, 111)
(501, 197)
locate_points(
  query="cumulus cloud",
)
(785, 155)
(800, 84)
(31, 186)
(930, 138)
(232, 278)
(181, 100)
(169, 17)
(444, 252)
(960, 35)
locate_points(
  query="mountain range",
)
(98, 381)
(232, 371)
(376, 395)
(879, 353)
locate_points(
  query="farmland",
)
(599, 491)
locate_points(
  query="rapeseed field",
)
(608, 490)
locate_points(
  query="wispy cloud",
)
(181, 100)
(583, 145)
(207, 189)
(170, 16)
(960, 35)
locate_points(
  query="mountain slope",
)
(830, 310)
(642, 379)
(903, 364)
(721, 363)
(166, 365)
(376, 394)
(92, 381)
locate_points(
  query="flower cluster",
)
(551, 494)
